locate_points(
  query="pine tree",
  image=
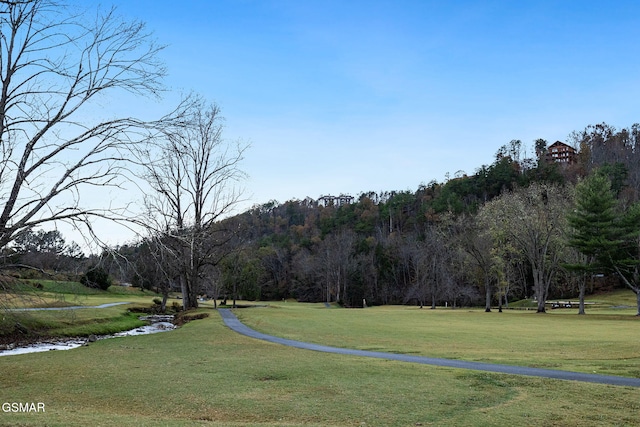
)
(593, 228)
(608, 240)
(625, 258)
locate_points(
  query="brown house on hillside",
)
(560, 152)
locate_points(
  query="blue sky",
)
(351, 96)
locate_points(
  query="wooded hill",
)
(431, 246)
(498, 235)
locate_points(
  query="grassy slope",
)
(60, 294)
(80, 322)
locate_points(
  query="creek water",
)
(158, 324)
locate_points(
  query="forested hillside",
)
(487, 238)
(444, 243)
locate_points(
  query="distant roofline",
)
(561, 143)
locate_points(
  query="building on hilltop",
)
(336, 201)
(560, 152)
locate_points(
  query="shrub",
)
(140, 309)
(97, 278)
(182, 318)
(7, 282)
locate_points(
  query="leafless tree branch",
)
(55, 65)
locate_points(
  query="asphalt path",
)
(233, 323)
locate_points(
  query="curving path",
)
(233, 323)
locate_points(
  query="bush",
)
(97, 278)
(177, 307)
(182, 318)
(7, 282)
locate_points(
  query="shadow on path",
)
(233, 323)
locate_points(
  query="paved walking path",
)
(233, 323)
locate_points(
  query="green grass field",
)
(601, 343)
(205, 374)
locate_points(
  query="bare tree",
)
(532, 219)
(276, 262)
(194, 177)
(426, 259)
(334, 261)
(614, 151)
(419, 260)
(154, 268)
(477, 245)
(57, 70)
(306, 286)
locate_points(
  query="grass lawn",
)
(599, 342)
(204, 374)
(51, 293)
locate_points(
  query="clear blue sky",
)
(351, 96)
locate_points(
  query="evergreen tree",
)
(608, 241)
(625, 258)
(592, 231)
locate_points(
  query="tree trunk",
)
(539, 290)
(163, 307)
(193, 289)
(184, 288)
(235, 292)
(581, 286)
(327, 283)
(631, 285)
(581, 304)
(189, 299)
(487, 304)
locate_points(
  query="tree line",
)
(517, 228)
(507, 232)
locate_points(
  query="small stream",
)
(159, 323)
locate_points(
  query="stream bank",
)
(158, 323)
